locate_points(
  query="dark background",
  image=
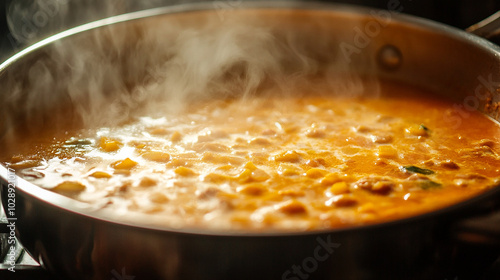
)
(458, 13)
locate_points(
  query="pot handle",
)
(489, 28)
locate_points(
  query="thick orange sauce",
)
(276, 163)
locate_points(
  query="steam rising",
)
(104, 76)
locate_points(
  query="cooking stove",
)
(474, 262)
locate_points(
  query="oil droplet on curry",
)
(276, 163)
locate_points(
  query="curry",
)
(295, 163)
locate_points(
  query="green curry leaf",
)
(424, 127)
(428, 184)
(415, 169)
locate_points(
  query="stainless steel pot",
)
(76, 241)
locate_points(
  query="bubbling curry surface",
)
(293, 163)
